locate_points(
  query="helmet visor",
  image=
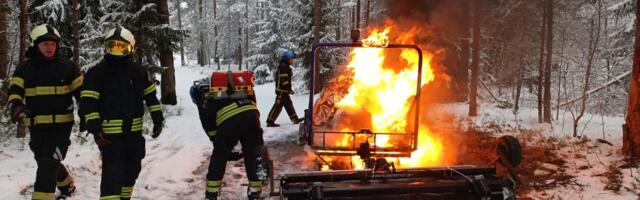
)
(118, 48)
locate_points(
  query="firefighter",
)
(198, 93)
(112, 101)
(233, 117)
(46, 82)
(283, 90)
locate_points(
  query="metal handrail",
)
(309, 114)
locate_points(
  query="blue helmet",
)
(198, 91)
(287, 55)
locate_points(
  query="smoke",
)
(442, 25)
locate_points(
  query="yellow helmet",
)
(44, 32)
(119, 41)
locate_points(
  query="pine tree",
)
(56, 14)
(4, 45)
(91, 33)
(266, 40)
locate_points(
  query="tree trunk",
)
(560, 72)
(4, 44)
(594, 38)
(75, 31)
(24, 24)
(541, 63)
(239, 53)
(631, 141)
(202, 52)
(547, 67)
(353, 18)
(317, 18)
(182, 61)
(215, 34)
(357, 14)
(367, 12)
(246, 33)
(464, 54)
(338, 33)
(475, 62)
(168, 79)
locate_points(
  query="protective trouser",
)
(282, 100)
(121, 164)
(244, 127)
(49, 146)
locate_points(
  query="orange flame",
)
(385, 89)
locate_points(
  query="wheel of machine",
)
(509, 148)
(302, 134)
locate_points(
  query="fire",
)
(385, 89)
(429, 151)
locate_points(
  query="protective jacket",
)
(231, 116)
(283, 79)
(46, 87)
(113, 94)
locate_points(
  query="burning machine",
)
(373, 176)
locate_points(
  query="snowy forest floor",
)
(555, 166)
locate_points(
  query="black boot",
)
(272, 124)
(66, 191)
(253, 195)
(211, 196)
(297, 120)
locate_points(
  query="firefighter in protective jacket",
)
(233, 116)
(198, 92)
(283, 90)
(112, 103)
(46, 82)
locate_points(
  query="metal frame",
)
(347, 151)
(455, 182)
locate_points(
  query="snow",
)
(176, 162)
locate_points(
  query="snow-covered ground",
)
(177, 161)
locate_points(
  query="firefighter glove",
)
(92, 126)
(100, 139)
(83, 124)
(157, 129)
(17, 111)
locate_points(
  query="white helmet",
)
(119, 41)
(44, 32)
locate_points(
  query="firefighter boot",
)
(272, 124)
(253, 195)
(66, 191)
(297, 120)
(211, 196)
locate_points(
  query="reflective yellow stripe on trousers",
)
(110, 197)
(126, 192)
(214, 186)
(42, 196)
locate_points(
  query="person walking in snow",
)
(112, 103)
(283, 90)
(231, 115)
(46, 82)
